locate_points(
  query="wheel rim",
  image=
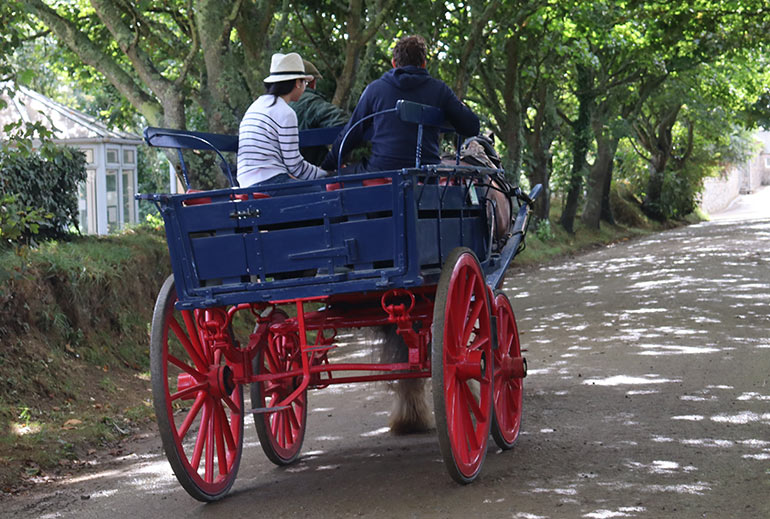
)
(466, 365)
(281, 432)
(198, 406)
(508, 390)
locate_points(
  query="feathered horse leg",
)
(410, 413)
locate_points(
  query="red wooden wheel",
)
(461, 365)
(508, 381)
(282, 432)
(198, 407)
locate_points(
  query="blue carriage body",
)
(234, 246)
(345, 234)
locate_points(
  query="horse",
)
(411, 412)
(479, 151)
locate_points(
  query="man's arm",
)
(462, 118)
(356, 137)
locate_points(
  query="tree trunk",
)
(539, 139)
(252, 26)
(607, 215)
(660, 146)
(651, 205)
(599, 177)
(580, 142)
(469, 56)
(359, 34)
(511, 126)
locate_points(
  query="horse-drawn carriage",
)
(415, 249)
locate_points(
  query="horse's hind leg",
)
(410, 413)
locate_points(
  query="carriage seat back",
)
(220, 143)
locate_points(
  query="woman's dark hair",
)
(279, 88)
(410, 50)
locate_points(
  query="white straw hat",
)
(284, 67)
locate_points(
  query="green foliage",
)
(678, 198)
(39, 189)
(19, 224)
(496, 55)
(543, 231)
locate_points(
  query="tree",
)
(680, 132)
(167, 58)
(499, 86)
(317, 27)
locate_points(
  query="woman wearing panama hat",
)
(268, 138)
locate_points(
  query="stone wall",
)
(719, 192)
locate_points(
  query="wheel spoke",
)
(219, 438)
(293, 414)
(201, 439)
(274, 423)
(190, 347)
(191, 415)
(280, 428)
(471, 402)
(194, 337)
(189, 391)
(287, 434)
(456, 322)
(470, 431)
(467, 295)
(209, 463)
(504, 406)
(229, 402)
(470, 324)
(480, 342)
(271, 358)
(226, 430)
(197, 375)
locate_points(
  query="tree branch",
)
(126, 39)
(312, 40)
(639, 152)
(80, 44)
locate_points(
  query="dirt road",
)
(648, 396)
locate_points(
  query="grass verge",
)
(74, 322)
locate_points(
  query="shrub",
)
(543, 231)
(42, 182)
(18, 224)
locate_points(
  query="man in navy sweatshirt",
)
(393, 141)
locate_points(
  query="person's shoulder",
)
(282, 113)
(444, 90)
(438, 82)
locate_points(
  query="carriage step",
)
(263, 410)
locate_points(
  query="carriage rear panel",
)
(236, 247)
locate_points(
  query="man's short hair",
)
(410, 50)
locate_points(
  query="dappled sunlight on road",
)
(664, 336)
(647, 396)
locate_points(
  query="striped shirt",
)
(268, 144)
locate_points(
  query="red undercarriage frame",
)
(410, 310)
